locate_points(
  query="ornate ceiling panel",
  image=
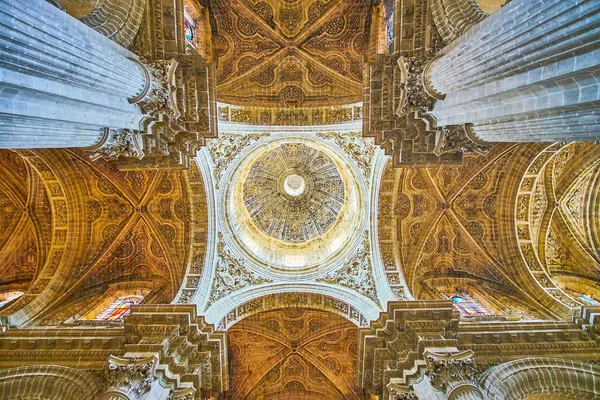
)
(453, 228)
(24, 221)
(293, 52)
(132, 229)
(293, 354)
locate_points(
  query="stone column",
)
(62, 84)
(529, 72)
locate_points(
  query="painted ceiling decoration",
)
(291, 213)
(441, 228)
(292, 53)
(294, 200)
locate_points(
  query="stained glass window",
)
(189, 27)
(389, 24)
(7, 297)
(589, 300)
(468, 305)
(118, 309)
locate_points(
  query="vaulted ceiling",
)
(473, 226)
(293, 353)
(89, 230)
(290, 52)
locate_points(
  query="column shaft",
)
(61, 82)
(529, 72)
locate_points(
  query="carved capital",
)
(159, 95)
(415, 95)
(131, 377)
(459, 138)
(449, 370)
(117, 143)
(403, 393)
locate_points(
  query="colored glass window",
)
(468, 305)
(118, 309)
(7, 297)
(189, 27)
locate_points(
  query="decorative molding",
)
(132, 376)
(230, 274)
(356, 272)
(120, 143)
(227, 148)
(355, 146)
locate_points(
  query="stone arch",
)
(315, 301)
(365, 307)
(522, 378)
(47, 382)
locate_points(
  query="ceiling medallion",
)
(294, 185)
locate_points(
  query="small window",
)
(468, 305)
(118, 309)
(189, 27)
(7, 297)
(588, 300)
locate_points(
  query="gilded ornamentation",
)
(299, 214)
(356, 147)
(276, 52)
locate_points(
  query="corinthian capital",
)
(116, 143)
(159, 96)
(129, 378)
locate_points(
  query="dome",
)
(294, 193)
(293, 204)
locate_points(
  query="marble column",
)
(529, 72)
(62, 84)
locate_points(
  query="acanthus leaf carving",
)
(446, 370)
(227, 148)
(133, 376)
(355, 147)
(122, 142)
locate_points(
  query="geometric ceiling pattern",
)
(293, 353)
(455, 228)
(90, 230)
(290, 53)
(566, 208)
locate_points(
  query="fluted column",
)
(61, 82)
(529, 72)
